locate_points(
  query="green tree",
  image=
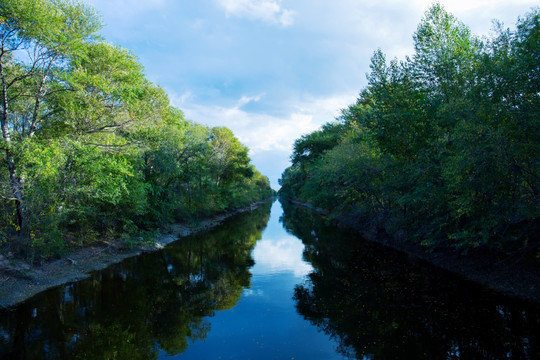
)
(92, 148)
(230, 158)
(313, 145)
(441, 148)
(48, 33)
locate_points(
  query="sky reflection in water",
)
(264, 324)
(252, 290)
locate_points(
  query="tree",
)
(37, 39)
(92, 148)
(313, 145)
(445, 53)
(445, 144)
(230, 159)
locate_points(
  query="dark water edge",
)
(382, 303)
(27, 280)
(229, 293)
(154, 302)
(517, 276)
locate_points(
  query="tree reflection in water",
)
(381, 304)
(142, 306)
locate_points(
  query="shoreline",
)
(20, 281)
(505, 276)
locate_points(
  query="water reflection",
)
(264, 324)
(284, 298)
(283, 254)
(143, 307)
(380, 304)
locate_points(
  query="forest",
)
(92, 150)
(440, 149)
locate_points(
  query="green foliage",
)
(93, 150)
(444, 146)
(312, 146)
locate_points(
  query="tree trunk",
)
(15, 181)
(20, 206)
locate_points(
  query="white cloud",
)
(244, 100)
(263, 132)
(279, 134)
(186, 96)
(269, 11)
(260, 132)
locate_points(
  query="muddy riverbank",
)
(20, 280)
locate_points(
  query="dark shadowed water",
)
(279, 286)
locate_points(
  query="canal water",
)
(276, 283)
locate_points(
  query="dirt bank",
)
(507, 275)
(20, 281)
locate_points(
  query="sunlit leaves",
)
(92, 148)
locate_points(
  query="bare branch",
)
(108, 127)
(7, 198)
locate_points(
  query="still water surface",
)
(271, 285)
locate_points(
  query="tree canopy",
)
(92, 149)
(442, 146)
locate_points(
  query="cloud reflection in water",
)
(280, 255)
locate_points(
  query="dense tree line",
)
(442, 148)
(91, 147)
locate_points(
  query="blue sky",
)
(273, 70)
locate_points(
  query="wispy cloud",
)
(269, 11)
(261, 131)
(244, 100)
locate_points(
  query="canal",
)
(275, 283)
